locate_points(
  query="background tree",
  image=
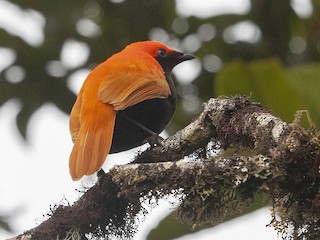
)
(271, 53)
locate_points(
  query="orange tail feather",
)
(92, 144)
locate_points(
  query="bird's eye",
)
(162, 53)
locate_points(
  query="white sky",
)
(35, 175)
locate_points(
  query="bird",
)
(122, 102)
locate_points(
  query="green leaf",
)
(266, 81)
(306, 81)
(169, 228)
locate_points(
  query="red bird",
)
(121, 103)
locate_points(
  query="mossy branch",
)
(258, 152)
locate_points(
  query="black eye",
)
(162, 53)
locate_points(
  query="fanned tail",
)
(92, 143)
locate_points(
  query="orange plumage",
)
(125, 79)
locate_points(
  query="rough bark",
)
(258, 152)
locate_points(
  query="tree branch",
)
(258, 152)
(216, 185)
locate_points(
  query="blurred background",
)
(266, 49)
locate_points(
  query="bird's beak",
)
(180, 57)
(173, 58)
(185, 57)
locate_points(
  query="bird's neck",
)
(172, 87)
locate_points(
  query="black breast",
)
(154, 114)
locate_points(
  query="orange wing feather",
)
(133, 83)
